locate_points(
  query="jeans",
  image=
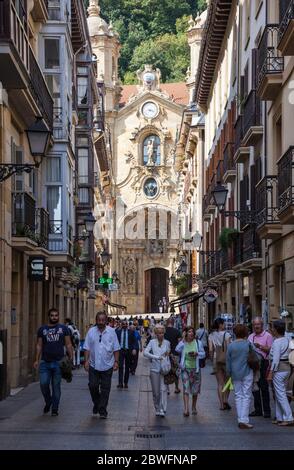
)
(283, 409)
(50, 374)
(159, 391)
(99, 386)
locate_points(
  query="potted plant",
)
(227, 237)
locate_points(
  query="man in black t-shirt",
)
(52, 339)
(173, 336)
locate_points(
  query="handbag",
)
(66, 369)
(253, 360)
(220, 352)
(165, 365)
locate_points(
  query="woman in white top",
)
(218, 341)
(279, 374)
(157, 349)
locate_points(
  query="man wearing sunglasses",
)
(101, 359)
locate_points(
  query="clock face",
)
(150, 110)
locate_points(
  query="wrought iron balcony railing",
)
(269, 58)
(229, 163)
(238, 133)
(286, 16)
(251, 245)
(286, 179)
(252, 112)
(267, 201)
(29, 221)
(40, 91)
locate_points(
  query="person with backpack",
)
(75, 340)
(279, 374)
(202, 335)
(218, 342)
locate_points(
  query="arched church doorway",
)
(156, 288)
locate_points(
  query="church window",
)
(151, 150)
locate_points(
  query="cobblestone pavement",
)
(132, 423)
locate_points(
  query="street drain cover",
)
(148, 436)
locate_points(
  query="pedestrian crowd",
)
(254, 365)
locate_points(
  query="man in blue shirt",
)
(137, 347)
(53, 338)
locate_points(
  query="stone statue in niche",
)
(150, 153)
(130, 270)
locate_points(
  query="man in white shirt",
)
(101, 359)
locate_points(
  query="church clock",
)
(150, 110)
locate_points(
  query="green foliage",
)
(152, 31)
(227, 237)
(181, 284)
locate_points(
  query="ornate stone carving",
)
(130, 271)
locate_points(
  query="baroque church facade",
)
(143, 121)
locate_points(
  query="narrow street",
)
(131, 424)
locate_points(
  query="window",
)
(54, 204)
(84, 196)
(54, 10)
(247, 24)
(151, 150)
(151, 188)
(82, 141)
(53, 170)
(52, 60)
(53, 83)
(83, 118)
(83, 155)
(82, 90)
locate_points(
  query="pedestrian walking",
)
(173, 336)
(101, 359)
(238, 369)
(262, 341)
(202, 335)
(191, 350)
(218, 342)
(138, 347)
(127, 341)
(53, 339)
(157, 350)
(279, 374)
(75, 340)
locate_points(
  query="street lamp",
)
(38, 137)
(183, 267)
(220, 194)
(90, 222)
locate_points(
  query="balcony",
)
(61, 247)
(271, 64)
(286, 29)
(252, 120)
(14, 45)
(286, 187)
(40, 11)
(40, 91)
(230, 171)
(30, 225)
(248, 252)
(241, 153)
(268, 222)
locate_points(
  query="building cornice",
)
(214, 32)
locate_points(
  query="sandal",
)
(286, 423)
(186, 415)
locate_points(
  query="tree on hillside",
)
(144, 24)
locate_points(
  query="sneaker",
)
(103, 415)
(157, 413)
(95, 410)
(54, 413)
(46, 409)
(162, 414)
(245, 426)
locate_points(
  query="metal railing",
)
(252, 112)
(286, 179)
(269, 58)
(267, 201)
(286, 16)
(55, 227)
(23, 215)
(229, 163)
(42, 227)
(238, 133)
(14, 27)
(251, 245)
(40, 90)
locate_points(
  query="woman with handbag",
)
(279, 373)
(191, 352)
(241, 359)
(158, 350)
(218, 342)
